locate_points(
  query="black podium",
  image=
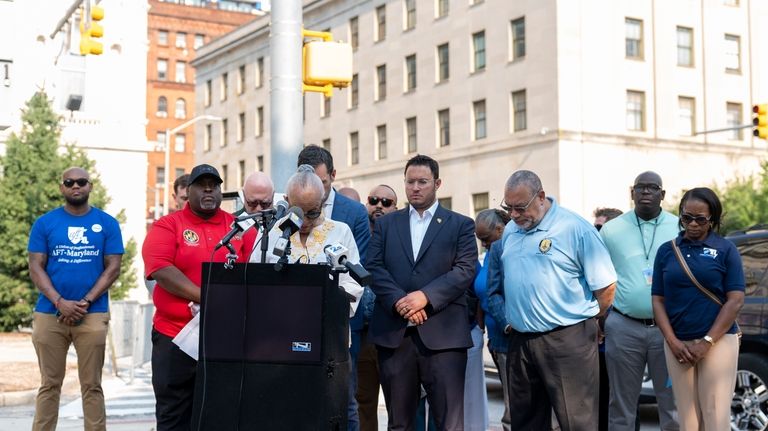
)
(274, 349)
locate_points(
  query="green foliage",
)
(32, 168)
(745, 201)
(127, 279)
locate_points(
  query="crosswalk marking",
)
(121, 398)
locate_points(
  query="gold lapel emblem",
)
(545, 245)
(190, 236)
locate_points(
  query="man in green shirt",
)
(632, 338)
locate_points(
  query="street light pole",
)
(167, 164)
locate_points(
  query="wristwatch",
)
(709, 340)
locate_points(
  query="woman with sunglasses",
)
(305, 190)
(697, 292)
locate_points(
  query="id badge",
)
(648, 275)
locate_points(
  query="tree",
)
(745, 201)
(32, 168)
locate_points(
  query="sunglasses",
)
(312, 215)
(386, 203)
(69, 182)
(518, 208)
(653, 188)
(700, 220)
(258, 203)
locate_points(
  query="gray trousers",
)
(629, 346)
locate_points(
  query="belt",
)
(647, 322)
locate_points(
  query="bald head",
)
(75, 172)
(649, 177)
(258, 192)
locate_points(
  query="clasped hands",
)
(411, 307)
(72, 313)
(689, 353)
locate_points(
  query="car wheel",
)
(749, 408)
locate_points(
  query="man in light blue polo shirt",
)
(632, 338)
(557, 277)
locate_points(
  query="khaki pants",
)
(52, 340)
(703, 391)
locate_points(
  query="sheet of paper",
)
(188, 338)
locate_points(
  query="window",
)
(259, 72)
(181, 109)
(635, 110)
(731, 2)
(381, 141)
(732, 53)
(260, 121)
(478, 48)
(241, 79)
(354, 148)
(181, 40)
(181, 69)
(479, 202)
(224, 132)
(326, 108)
(686, 116)
(199, 41)
(441, 8)
(160, 175)
(162, 69)
(474, 2)
(634, 38)
(208, 91)
(410, 73)
(517, 31)
(260, 163)
(684, 46)
(207, 137)
(733, 119)
(443, 59)
(179, 172)
(381, 23)
(241, 172)
(224, 175)
(160, 137)
(162, 107)
(162, 37)
(354, 32)
(410, 134)
(223, 87)
(354, 93)
(381, 82)
(443, 128)
(409, 15)
(327, 144)
(180, 143)
(519, 111)
(478, 114)
(240, 127)
(446, 203)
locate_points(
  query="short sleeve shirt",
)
(551, 271)
(75, 246)
(716, 264)
(184, 240)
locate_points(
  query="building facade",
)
(587, 93)
(176, 29)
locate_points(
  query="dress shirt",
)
(419, 225)
(328, 204)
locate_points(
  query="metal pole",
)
(167, 168)
(704, 132)
(286, 122)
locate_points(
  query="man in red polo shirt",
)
(173, 254)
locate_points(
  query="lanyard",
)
(653, 237)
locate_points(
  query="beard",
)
(77, 201)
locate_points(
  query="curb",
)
(21, 398)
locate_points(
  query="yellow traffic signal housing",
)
(90, 29)
(760, 120)
(326, 64)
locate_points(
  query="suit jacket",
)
(444, 270)
(354, 215)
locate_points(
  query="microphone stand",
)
(266, 224)
(231, 257)
(284, 258)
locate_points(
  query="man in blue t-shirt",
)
(74, 257)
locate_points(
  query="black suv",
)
(749, 408)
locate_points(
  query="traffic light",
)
(760, 120)
(90, 31)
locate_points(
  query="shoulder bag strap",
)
(690, 275)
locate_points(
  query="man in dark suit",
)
(340, 208)
(422, 259)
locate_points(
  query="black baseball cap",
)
(201, 170)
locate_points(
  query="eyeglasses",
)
(69, 182)
(385, 202)
(517, 208)
(653, 188)
(700, 220)
(258, 203)
(312, 215)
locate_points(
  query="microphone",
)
(289, 226)
(336, 254)
(281, 207)
(241, 224)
